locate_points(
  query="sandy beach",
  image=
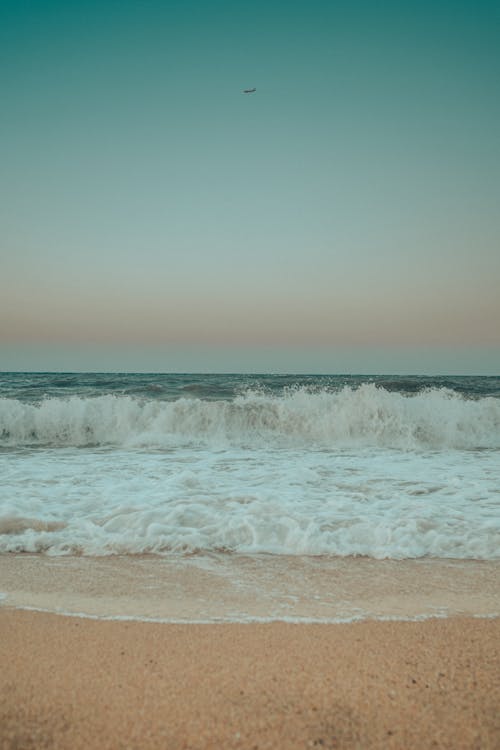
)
(69, 682)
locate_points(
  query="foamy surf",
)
(130, 465)
(367, 416)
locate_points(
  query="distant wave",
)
(368, 415)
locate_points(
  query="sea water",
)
(246, 482)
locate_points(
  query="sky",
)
(342, 218)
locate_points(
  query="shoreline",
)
(251, 620)
(212, 588)
(72, 682)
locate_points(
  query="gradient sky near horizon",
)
(344, 217)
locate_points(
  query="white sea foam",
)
(364, 416)
(358, 471)
(379, 503)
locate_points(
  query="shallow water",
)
(240, 497)
(239, 588)
(115, 464)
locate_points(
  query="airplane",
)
(249, 91)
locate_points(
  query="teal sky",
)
(345, 217)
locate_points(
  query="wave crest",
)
(368, 415)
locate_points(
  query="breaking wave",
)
(365, 416)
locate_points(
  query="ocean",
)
(214, 497)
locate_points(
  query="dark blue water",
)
(34, 387)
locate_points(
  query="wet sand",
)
(68, 682)
(245, 588)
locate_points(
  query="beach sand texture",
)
(68, 682)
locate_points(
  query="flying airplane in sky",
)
(249, 91)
